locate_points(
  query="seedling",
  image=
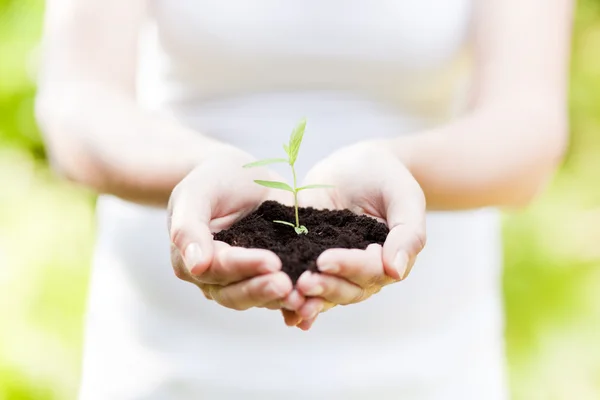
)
(291, 149)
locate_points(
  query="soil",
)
(298, 253)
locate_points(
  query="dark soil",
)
(298, 253)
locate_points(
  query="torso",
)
(245, 72)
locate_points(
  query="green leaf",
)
(265, 162)
(296, 141)
(285, 223)
(301, 230)
(275, 185)
(315, 187)
(287, 149)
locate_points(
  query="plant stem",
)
(295, 197)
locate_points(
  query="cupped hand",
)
(368, 179)
(210, 198)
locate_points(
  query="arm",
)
(503, 151)
(99, 137)
(499, 154)
(95, 132)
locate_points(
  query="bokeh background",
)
(552, 251)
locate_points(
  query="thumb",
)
(405, 214)
(188, 223)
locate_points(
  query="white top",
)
(246, 72)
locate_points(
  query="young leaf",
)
(285, 223)
(296, 141)
(301, 230)
(265, 162)
(314, 187)
(287, 149)
(275, 185)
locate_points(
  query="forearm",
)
(496, 156)
(100, 138)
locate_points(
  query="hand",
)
(210, 198)
(369, 180)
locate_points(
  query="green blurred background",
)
(552, 275)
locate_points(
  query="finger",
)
(331, 288)
(234, 264)
(179, 267)
(411, 263)
(405, 214)
(400, 250)
(293, 301)
(362, 267)
(254, 292)
(272, 305)
(189, 230)
(311, 308)
(305, 325)
(291, 318)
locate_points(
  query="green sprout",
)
(291, 149)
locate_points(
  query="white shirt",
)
(245, 72)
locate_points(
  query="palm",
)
(227, 180)
(361, 186)
(211, 198)
(363, 201)
(367, 180)
(230, 207)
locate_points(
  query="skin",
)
(234, 277)
(387, 191)
(501, 152)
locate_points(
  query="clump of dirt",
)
(326, 229)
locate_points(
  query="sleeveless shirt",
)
(245, 72)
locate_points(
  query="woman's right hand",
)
(211, 198)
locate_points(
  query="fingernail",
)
(192, 256)
(408, 269)
(400, 263)
(273, 289)
(293, 301)
(330, 268)
(315, 291)
(315, 313)
(285, 304)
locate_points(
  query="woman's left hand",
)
(368, 179)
